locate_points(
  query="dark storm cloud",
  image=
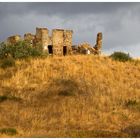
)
(119, 22)
(62, 8)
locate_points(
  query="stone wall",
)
(62, 41)
(28, 37)
(68, 40)
(57, 41)
(98, 45)
(50, 40)
(13, 39)
(42, 37)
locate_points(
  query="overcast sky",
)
(119, 22)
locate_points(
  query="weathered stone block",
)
(13, 39)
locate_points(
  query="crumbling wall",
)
(28, 37)
(57, 41)
(98, 45)
(13, 39)
(74, 49)
(50, 40)
(42, 37)
(84, 48)
(68, 40)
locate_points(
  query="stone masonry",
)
(98, 45)
(13, 39)
(58, 43)
(28, 37)
(62, 41)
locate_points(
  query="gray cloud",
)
(119, 22)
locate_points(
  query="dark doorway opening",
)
(64, 50)
(50, 49)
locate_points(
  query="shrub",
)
(19, 50)
(14, 98)
(4, 50)
(3, 98)
(23, 49)
(120, 56)
(35, 51)
(8, 131)
(130, 102)
(7, 62)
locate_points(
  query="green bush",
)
(19, 50)
(4, 50)
(13, 98)
(7, 62)
(130, 102)
(8, 131)
(120, 56)
(3, 98)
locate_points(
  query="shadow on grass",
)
(5, 97)
(132, 104)
(8, 74)
(59, 88)
(68, 87)
(133, 131)
(95, 134)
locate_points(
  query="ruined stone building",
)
(28, 37)
(13, 39)
(86, 48)
(98, 44)
(58, 43)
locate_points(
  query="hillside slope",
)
(72, 96)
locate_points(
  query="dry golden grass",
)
(72, 96)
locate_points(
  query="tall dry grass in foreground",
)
(72, 96)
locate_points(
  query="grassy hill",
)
(72, 96)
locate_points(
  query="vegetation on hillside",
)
(20, 50)
(120, 56)
(71, 96)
